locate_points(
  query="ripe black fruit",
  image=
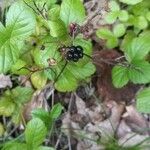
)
(73, 53)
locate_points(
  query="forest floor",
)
(97, 115)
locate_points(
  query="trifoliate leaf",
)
(143, 101)
(35, 132)
(120, 76)
(72, 11)
(131, 2)
(139, 72)
(119, 30)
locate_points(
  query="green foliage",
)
(72, 11)
(48, 117)
(130, 33)
(143, 102)
(47, 24)
(120, 76)
(131, 2)
(36, 130)
(20, 23)
(112, 37)
(11, 102)
(35, 133)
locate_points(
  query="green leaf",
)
(7, 106)
(35, 133)
(22, 94)
(66, 81)
(9, 52)
(69, 79)
(131, 2)
(104, 33)
(141, 22)
(72, 11)
(111, 17)
(112, 42)
(123, 15)
(53, 14)
(130, 35)
(119, 76)
(44, 148)
(143, 101)
(20, 20)
(38, 79)
(138, 48)
(56, 111)
(17, 68)
(114, 6)
(20, 23)
(50, 52)
(57, 28)
(43, 115)
(14, 146)
(139, 72)
(119, 30)
(16, 117)
(148, 16)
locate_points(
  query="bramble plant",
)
(131, 34)
(36, 130)
(30, 40)
(31, 36)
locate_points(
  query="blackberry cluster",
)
(74, 53)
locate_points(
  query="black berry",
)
(80, 55)
(79, 48)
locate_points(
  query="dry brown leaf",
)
(135, 120)
(109, 126)
(39, 100)
(132, 139)
(123, 129)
